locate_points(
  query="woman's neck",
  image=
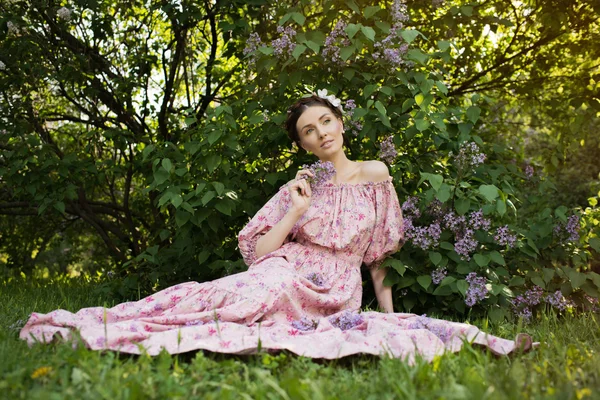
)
(343, 167)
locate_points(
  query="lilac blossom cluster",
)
(569, 231)
(439, 328)
(423, 237)
(346, 320)
(356, 126)
(337, 37)
(523, 304)
(2, 66)
(593, 303)
(557, 300)
(477, 221)
(469, 156)
(252, 44)
(435, 209)
(304, 324)
(504, 238)
(455, 223)
(390, 48)
(64, 13)
(316, 278)
(388, 151)
(529, 171)
(477, 289)
(410, 207)
(323, 171)
(438, 275)
(285, 42)
(465, 244)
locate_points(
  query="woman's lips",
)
(327, 144)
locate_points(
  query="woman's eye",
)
(326, 121)
(309, 131)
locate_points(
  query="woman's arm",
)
(273, 239)
(383, 293)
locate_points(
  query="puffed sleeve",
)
(269, 215)
(388, 233)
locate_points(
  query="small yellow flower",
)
(40, 372)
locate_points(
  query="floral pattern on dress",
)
(302, 297)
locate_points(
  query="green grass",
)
(565, 366)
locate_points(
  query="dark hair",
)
(298, 108)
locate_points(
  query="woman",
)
(302, 291)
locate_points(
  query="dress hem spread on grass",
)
(303, 297)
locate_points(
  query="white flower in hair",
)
(322, 93)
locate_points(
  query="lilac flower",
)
(64, 13)
(435, 232)
(477, 289)
(477, 221)
(529, 171)
(252, 44)
(522, 304)
(593, 303)
(350, 106)
(304, 324)
(410, 207)
(466, 244)
(420, 237)
(440, 329)
(346, 320)
(438, 275)
(399, 12)
(265, 115)
(454, 222)
(194, 323)
(315, 278)
(110, 274)
(388, 151)
(504, 238)
(557, 300)
(435, 210)
(12, 27)
(2, 66)
(572, 228)
(323, 171)
(469, 156)
(337, 36)
(357, 127)
(284, 43)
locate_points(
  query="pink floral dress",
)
(303, 297)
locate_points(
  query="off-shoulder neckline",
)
(356, 184)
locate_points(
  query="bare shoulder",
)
(374, 171)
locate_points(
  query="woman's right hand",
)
(300, 191)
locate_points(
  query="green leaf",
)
(219, 187)
(462, 206)
(409, 35)
(424, 281)
(368, 12)
(313, 46)
(435, 257)
(536, 280)
(166, 164)
(160, 176)
(517, 281)
(216, 134)
(186, 206)
(441, 87)
(443, 45)
(352, 29)
(60, 206)
(462, 286)
(422, 124)
(298, 50)
(444, 193)
(490, 192)
(408, 103)
(501, 207)
(466, 10)
(212, 162)
(182, 217)
(346, 52)
(577, 279)
(442, 291)
(368, 32)
(380, 107)
(147, 150)
(418, 56)
(164, 198)
(434, 179)
(298, 18)
(473, 113)
(595, 244)
(395, 264)
(224, 207)
(208, 196)
(386, 90)
(266, 50)
(419, 98)
(481, 260)
(497, 258)
(447, 246)
(176, 200)
(447, 280)
(391, 278)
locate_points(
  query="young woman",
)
(302, 291)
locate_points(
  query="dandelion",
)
(322, 171)
(41, 372)
(64, 13)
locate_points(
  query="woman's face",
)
(320, 131)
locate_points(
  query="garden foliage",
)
(167, 180)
